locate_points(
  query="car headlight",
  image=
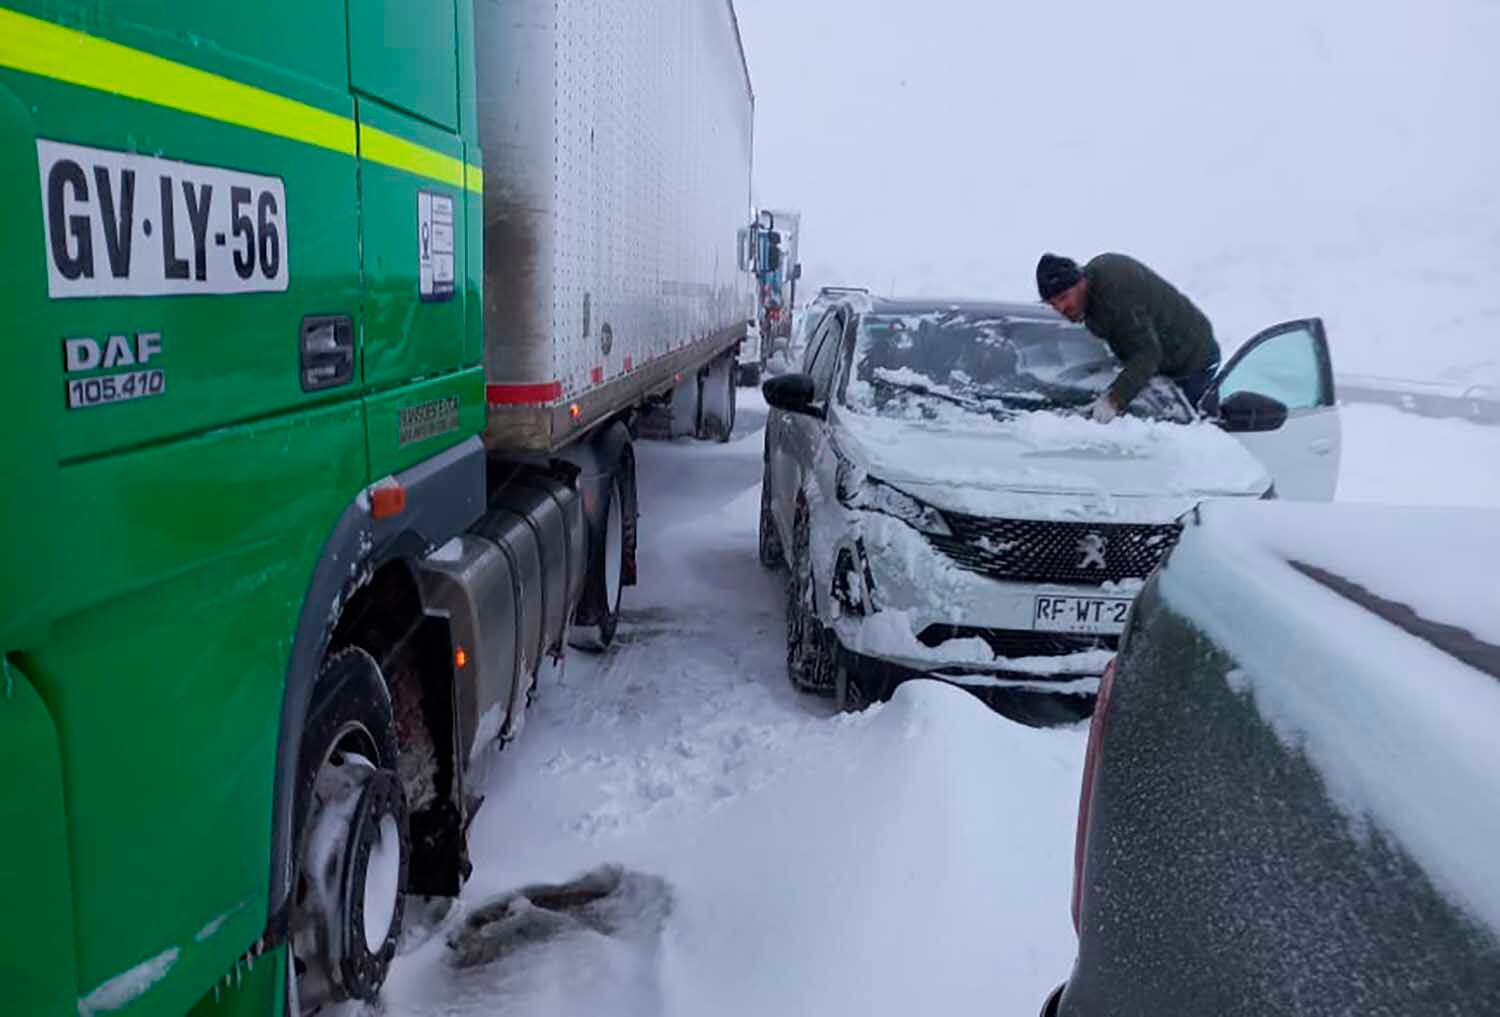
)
(860, 491)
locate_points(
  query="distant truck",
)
(769, 249)
(330, 331)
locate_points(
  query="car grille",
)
(1056, 552)
(1016, 644)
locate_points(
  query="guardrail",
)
(1477, 403)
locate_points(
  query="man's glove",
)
(1103, 409)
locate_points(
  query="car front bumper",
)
(895, 598)
(1033, 703)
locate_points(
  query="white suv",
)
(946, 509)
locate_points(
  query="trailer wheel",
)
(717, 400)
(352, 844)
(734, 407)
(606, 577)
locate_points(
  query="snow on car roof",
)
(1401, 730)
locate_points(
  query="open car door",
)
(1276, 396)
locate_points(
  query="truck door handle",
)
(327, 344)
(1321, 446)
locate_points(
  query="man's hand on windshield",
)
(1103, 409)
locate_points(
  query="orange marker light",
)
(575, 411)
(460, 658)
(387, 500)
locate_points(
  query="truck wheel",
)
(809, 651)
(716, 413)
(749, 374)
(770, 541)
(607, 577)
(734, 408)
(352, 840)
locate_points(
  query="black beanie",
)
(1054, 274)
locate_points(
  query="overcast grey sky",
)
(1277, 158)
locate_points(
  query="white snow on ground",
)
(777, 858)
(1402, 733)
(913, 859)
(1400, 458)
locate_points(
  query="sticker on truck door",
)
(434, 245)
(124, 225)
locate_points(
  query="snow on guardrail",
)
(1478, 403)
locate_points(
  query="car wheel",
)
(849, 694)
(770, 541)
(352, 840)
(810, 657)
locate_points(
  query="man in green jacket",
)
(1150, 327)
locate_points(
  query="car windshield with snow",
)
(917, 366)
(946, 510)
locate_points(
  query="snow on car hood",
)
(1049, 465)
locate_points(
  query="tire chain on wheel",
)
(770, 549)
(810, 660)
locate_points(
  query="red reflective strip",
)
(629, 364)
(521, 395)
(596, 376)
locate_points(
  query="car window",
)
(826, 360)
(1285, 367)
(819, 333)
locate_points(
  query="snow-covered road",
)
(772, 857)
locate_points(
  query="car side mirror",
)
(1247, 412)
(793, 393)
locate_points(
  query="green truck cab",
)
(255, 535)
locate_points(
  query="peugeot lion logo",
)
(1092, 549)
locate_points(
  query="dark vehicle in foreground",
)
(1291, 795)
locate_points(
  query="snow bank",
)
(1401, 458)
(1402, 733)
(886, 879)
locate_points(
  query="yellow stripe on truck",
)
(389, 150)
(51, 51)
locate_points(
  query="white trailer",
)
(617, 138)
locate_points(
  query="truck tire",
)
(606, 580)
(749, 375)
(717, 400)
(352, 843)
(810, 656)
